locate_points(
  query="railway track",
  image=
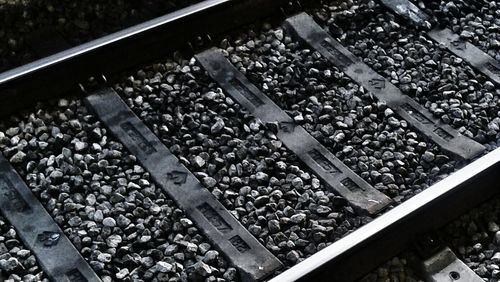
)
(29, 28)
(333, 138)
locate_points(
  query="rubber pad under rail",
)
(56, 254)
(343, 180)
(246, 253)
(303, 26)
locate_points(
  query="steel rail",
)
(361, 251)
(106, 40)
(55, 75)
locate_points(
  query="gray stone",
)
(18, 157)
(113, 241)
(274, 226)
(202, 269)
(298, 218)
(108, 221)
(164, 267)
(217, 127)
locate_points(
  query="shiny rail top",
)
(107, 40)
(454, 191)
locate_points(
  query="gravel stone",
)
(274, 226)
(217, 127)
(113, 241)
(164, 267)
(361, 131)
(202, 269)
(292, 256)
(253, 170)
(428, 156)
(105, 258)
(474, 239)
(396, 269)
(80, 146)
(475, 21)
(211, 256)
(123, 221)
(199, 162)
(122, 273)
(442, 82)
(298, 218)
(109, 222)
(16, 262)
(18, 158)
(105, 202)
(209, 182)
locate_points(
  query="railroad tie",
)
(241, 248)
(468, 52)
(56, 254)
(449, 139)
(362, 196)
(483, 62)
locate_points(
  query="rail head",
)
(57, 74)
(385, 236)
(108, 40)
